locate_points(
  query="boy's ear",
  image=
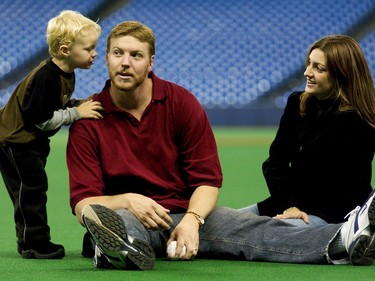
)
(64, 50)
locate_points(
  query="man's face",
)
(128, 62)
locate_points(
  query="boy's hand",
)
(90, 109)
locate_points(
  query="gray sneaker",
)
(114, 245)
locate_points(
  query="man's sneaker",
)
(358, 233)
(115, 246)
(88, 246)
(100, 260)
(46, 250)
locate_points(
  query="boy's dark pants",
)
(23, 169)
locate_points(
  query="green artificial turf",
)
(242, 151)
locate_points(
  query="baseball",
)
(171, 251)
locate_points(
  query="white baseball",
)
(171, 251)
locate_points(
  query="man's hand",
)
(293, 213)
(186, 234)
(151, 214)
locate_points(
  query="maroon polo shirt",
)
(165, 156)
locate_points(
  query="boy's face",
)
(128, 62)
(82, 52)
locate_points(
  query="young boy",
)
(37, 109)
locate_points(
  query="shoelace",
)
(353, 212)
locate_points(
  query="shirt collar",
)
(159, 92)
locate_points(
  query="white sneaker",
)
(358, 233)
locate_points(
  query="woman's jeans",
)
(230, 234)
(314, 220)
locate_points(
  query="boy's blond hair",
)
(64, 28)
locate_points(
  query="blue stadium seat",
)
(23, 28)
(228, 53)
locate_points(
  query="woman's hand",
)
(293, 213)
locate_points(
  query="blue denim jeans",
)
(314, 220)
(230, 234)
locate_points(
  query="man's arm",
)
(203, 201)
(186, 233)
(151, 214)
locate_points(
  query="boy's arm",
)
(77, 102)
(60, 117)
(85, 109)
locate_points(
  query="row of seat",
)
(228, 53)
(24, 25)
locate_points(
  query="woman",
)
(320, 163)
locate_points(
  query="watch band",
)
(199, 218)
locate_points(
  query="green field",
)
(242, 151)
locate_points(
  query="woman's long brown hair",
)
(353, 83)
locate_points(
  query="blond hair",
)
(64, 28)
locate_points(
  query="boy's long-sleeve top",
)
(39, 105)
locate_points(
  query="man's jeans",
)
(229, 234)
(313, 220)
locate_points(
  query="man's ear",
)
(152, 59)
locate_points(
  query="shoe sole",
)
(362, 250)
(32, 254)
(109, 233)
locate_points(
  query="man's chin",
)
(123, 86)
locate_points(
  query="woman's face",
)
(319, 83)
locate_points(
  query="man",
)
(148, 173)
